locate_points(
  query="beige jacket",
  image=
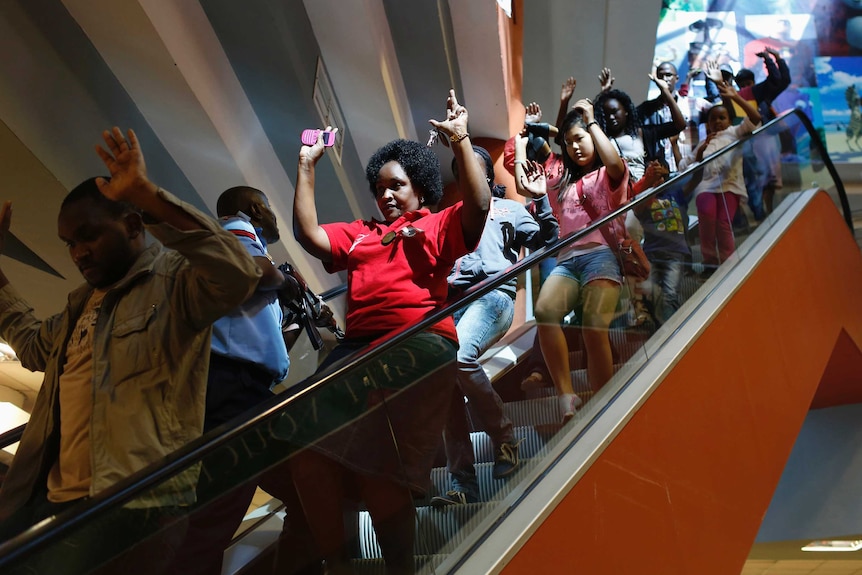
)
(150, 357)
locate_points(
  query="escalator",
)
(668, 468)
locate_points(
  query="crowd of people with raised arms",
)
(161, 345)
(655, 140)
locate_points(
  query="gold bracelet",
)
(455, 138)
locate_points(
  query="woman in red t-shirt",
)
(381, 423)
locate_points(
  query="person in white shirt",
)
(722, 187)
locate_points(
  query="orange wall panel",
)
(684, 486)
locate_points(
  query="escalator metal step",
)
(531, 412)
(439, 529)
(533, 444)
(483, 448)
(424, 564)
(436, 530)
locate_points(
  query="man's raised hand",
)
(125, 163)
(532, 113)
(568, 89)
(606, 80)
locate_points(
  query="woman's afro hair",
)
(419, 162)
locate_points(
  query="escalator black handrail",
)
(196, 450)
(11, 436)
(333, 292)
(139, 482)
(827, 161)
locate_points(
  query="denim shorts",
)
(601, 264)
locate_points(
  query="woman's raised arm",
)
(475, 193)
(306, 229)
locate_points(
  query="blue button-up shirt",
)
(252, 332)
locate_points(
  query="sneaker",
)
(452, 498)
(570, 404)
(506, 459)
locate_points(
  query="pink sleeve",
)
(509, 155)
(620, 194)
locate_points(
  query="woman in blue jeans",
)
(509, 227)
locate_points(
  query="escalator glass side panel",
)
(769, 155)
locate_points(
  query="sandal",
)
(641, 313)
(534, 381)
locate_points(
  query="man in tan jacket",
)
(125, 362)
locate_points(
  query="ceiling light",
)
(835, 545)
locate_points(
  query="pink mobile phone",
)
(309, 137)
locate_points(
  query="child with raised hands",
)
(587, 272)
(722, 187)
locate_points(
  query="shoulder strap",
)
(617, 144)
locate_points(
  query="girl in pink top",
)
(722, 185)
(588, 271)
